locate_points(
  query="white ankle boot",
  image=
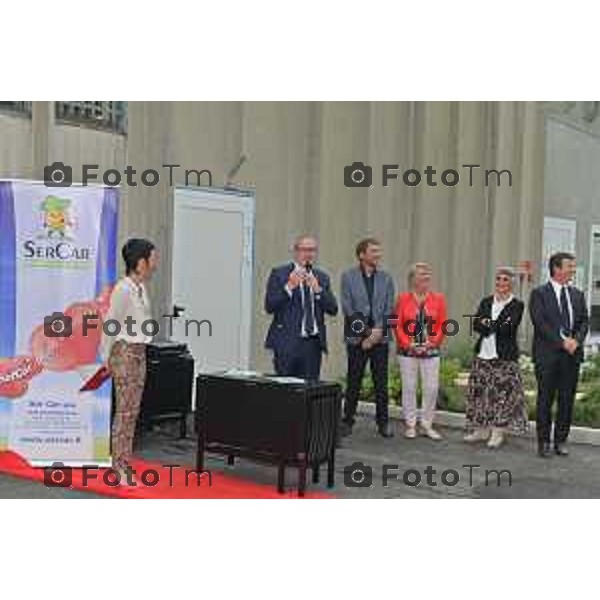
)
(478, 435)
(124, 482)
(496, 439)
(428, 431)
(410, 432)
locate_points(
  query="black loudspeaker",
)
(169, 381)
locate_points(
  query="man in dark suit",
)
(560, 321)
(298, 296)
(367, 304)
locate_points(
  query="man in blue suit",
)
(298, 296)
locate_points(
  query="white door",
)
(560, 235)
(213, 243)
(594, 284)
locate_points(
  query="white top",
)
(300, 269)
(557, 290)
(488, 349)
(128, 299)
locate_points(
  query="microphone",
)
(309, 269)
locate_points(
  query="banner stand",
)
(57, 269)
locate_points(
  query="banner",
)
(57, 264)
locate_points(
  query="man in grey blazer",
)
(367, 304)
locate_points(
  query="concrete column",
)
(147, 211)
(391, 208)
(531, 209)
(435, 139)
(313, 166)
(42, 122)
(505, 199)
(206, 135)
(469, 221)
(343, 212)
(277, 139)
(531, 185)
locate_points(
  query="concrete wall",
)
(572, 190)
(16, 148)
(572, 180)
(296, 155)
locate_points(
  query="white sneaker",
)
(410, 432)
(124, 482)
(428, 431)
(496, 439)
(479, 435)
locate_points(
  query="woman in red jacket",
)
(419, 334)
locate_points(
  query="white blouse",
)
(128, 299)
(488, 349)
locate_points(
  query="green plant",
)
(461, 350)
(527, 372)
(530, 402)
(450, 395)
(590, 370)
(586, 411)
(367, 392)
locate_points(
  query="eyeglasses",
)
(502, 278)
(306, 248)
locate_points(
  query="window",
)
(22, 108)
(595, 282)
(111, 116)
(559, 235)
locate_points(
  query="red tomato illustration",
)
(15, 374)
(15, 389)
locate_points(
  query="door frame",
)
(594, 228)
(246, 197)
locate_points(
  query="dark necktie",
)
(564, 310)
(309, 315)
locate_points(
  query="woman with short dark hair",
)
(496, 401)
(125, 351)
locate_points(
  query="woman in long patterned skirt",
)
(496, 401)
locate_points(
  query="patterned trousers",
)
(127, 364)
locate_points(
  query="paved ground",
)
(577, 476)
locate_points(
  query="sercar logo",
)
(54, 243)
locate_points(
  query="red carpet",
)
(171, 484)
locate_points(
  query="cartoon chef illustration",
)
(56, 217)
